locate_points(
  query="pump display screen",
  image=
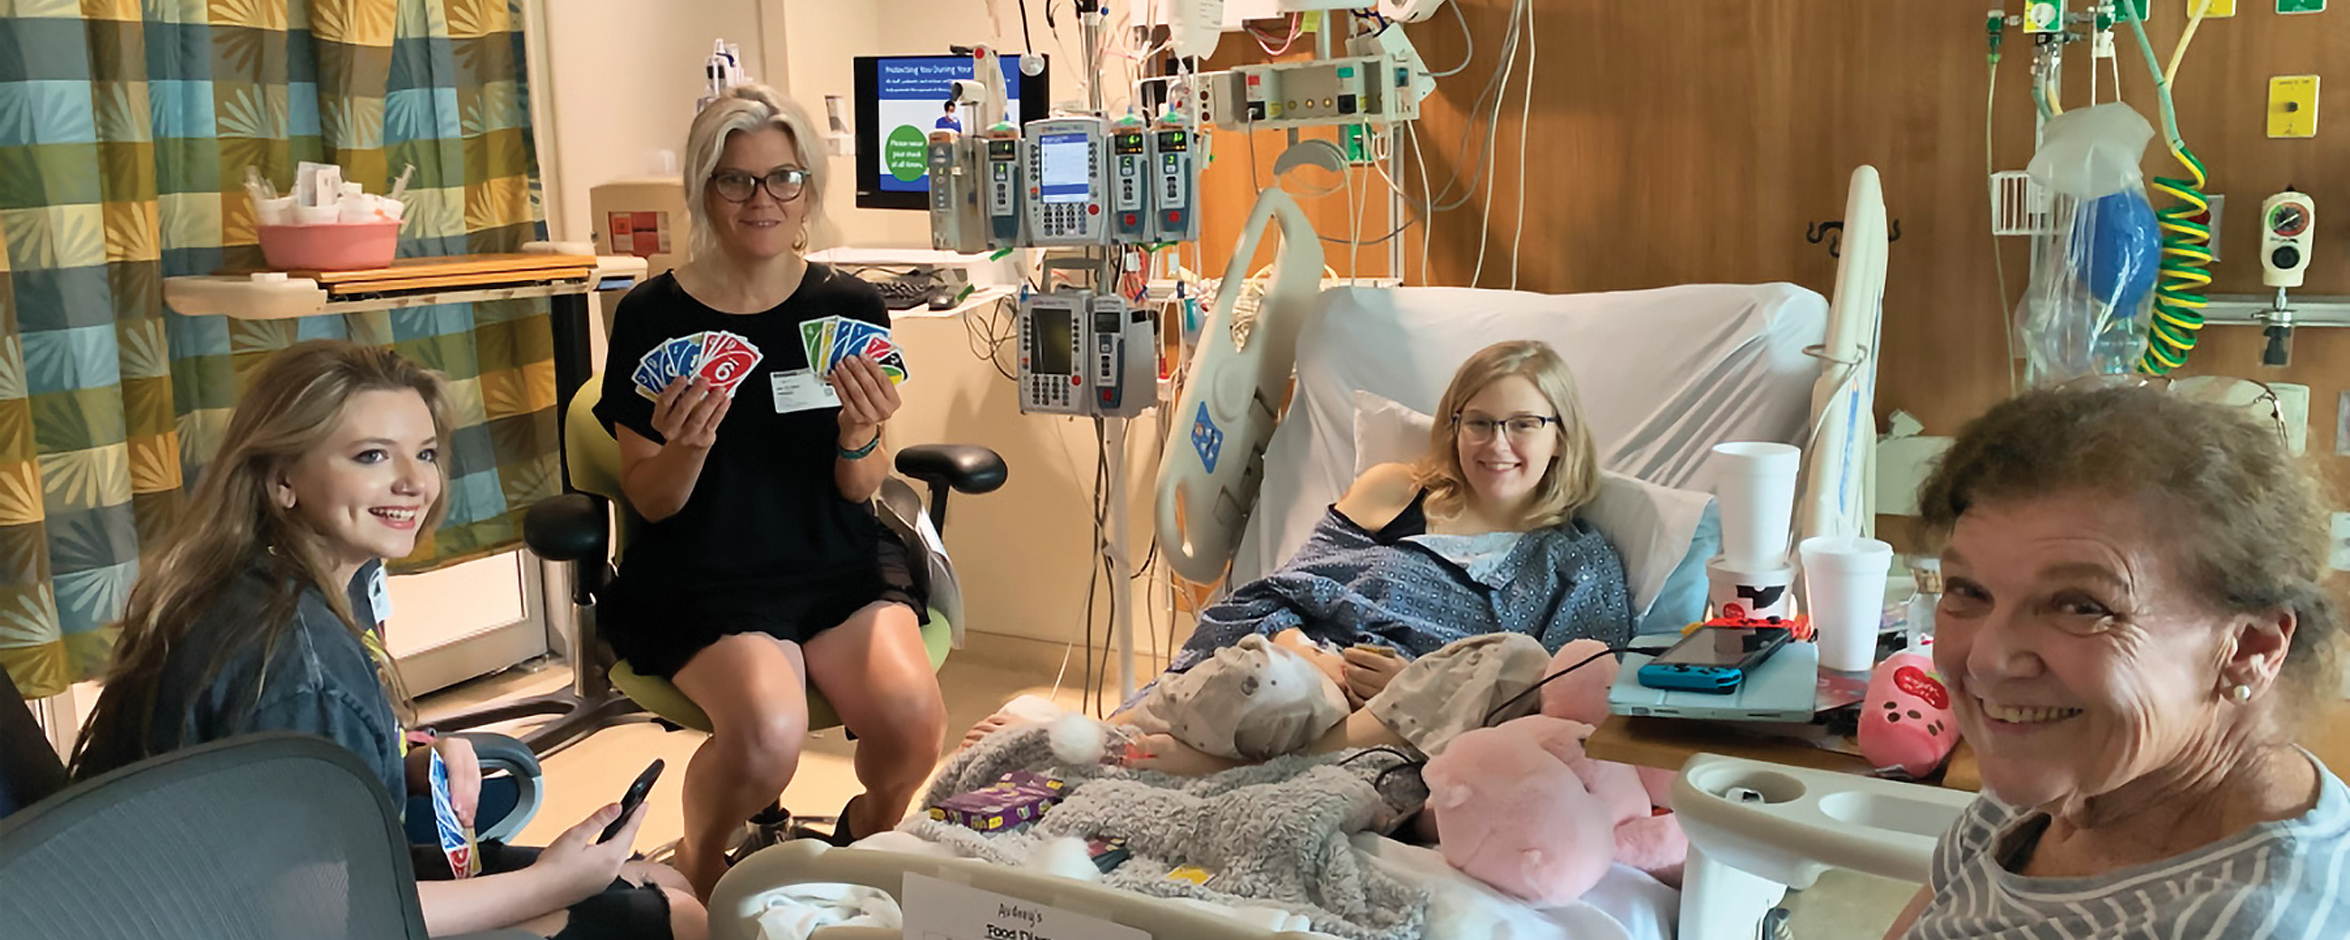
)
(1067, 172)
(1053, 333)
(1172, 140)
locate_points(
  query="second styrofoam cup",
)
(1754, 481)
(1844, 592)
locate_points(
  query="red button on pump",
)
(1076, 380)
(1093, 209)
(1127, 219)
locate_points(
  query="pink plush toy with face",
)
(1521, 807)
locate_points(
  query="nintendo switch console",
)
(1780, 688)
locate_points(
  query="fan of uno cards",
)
(830, 340)
(718, 357)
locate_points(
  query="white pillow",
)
(1654, 528)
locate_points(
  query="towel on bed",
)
(1274, 832)
(1345, 586)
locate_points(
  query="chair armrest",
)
(497, 752)
(568, 527)
(967, 468)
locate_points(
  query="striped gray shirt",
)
(2283, 880)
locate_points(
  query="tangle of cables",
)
(2186, 243)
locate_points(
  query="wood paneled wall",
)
(1694, 141)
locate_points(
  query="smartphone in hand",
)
(634, 798)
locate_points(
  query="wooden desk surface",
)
(1669, 742)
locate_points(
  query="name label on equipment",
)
(947, 911)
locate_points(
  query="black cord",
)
(1405, 761)
(1026, 39)
(1515, 699)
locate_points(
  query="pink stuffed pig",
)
(1521, 807)
(1514, 809)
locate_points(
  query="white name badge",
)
(379, 596)
(801, 390)
(942, 910)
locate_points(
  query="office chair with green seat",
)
(591, 526)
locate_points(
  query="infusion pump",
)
(1065, 181)
(1083, 353)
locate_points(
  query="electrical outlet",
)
(2341, 559)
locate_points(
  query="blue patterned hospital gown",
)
(1347, 586)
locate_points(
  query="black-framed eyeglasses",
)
(1478, 429)
(784, 183)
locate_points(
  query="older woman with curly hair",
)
(2135, 621)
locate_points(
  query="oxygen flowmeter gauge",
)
(2288, 222)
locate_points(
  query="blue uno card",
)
(456, 839)
(650, 380)
(685, 354)
(849, 340)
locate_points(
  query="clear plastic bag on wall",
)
(2091, 295)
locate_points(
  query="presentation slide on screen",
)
(913, 102)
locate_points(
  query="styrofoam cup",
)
(1844, 592)
(1752, 594)
(1755, 483)
(278, 211)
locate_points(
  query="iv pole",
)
(1112, 539)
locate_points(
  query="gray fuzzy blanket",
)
(1272, 833)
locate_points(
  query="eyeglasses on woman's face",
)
(785, 183)
(1478, 428)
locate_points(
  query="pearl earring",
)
(2241, 693)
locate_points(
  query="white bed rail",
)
(1208, 480)
(1839, 470)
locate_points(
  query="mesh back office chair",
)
(262, 837)
(591, 527)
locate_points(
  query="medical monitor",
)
(1053, 347)
(901, 99)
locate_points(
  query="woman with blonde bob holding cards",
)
(751, 444)
(254, 615)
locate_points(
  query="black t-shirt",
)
(766, 504)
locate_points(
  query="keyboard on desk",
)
(909, 291)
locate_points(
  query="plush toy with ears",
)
(1521, 807)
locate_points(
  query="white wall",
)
(621, 79)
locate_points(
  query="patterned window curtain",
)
(125, 130)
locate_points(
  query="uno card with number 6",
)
(727, 360)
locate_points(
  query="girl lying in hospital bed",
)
(1476, 544)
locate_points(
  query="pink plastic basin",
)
(338, 247)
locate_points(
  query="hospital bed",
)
(1665, 374)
